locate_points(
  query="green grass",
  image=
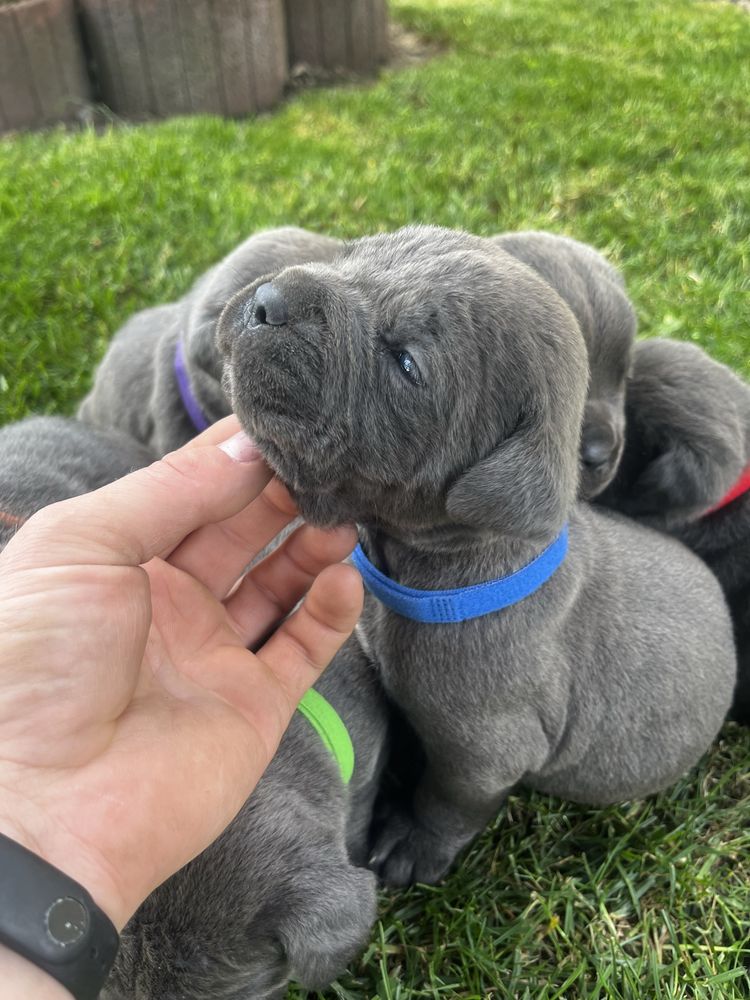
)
(648, 899)
(626, 124)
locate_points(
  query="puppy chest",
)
(433, 669)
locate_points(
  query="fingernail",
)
(241, 448)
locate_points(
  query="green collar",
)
(327, 723)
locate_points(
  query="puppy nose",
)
(597, 450)
(269, 307)
(598, 443)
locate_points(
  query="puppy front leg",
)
(419, 844)
(465, 781)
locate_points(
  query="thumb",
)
(147, 513)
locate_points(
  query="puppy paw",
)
(405, 853)
(328, 922)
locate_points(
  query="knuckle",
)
(186, 464)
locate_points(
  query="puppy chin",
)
(298, 454)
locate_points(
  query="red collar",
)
(741, 486)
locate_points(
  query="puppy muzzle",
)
(601, 449)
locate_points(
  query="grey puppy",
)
(136, 388)
(432, 388)
(595, 293)
(686, 470)
(281, 894)
(46, 459)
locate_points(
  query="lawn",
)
(625, 124)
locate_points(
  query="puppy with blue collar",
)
(160, 379)
(431, 387)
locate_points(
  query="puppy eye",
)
(408, 366)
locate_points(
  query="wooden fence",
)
(43, 76)
(145, 58)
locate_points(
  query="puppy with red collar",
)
(686, 470)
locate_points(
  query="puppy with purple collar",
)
(160, 379)
(686, 470)
(431, 387)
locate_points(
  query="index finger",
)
(148, 512)
(217, 432)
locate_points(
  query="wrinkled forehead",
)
(415, 271)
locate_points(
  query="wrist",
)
(51, 922)
(54, 845)
(21, 978)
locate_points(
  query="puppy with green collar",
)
(283, 893)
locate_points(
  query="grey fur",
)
(46, 459)
(135, 388)
(687, 442)
(607, 683)
(281, 894)
(595, 293)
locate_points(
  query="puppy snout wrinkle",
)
(269, 307)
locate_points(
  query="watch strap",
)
(53, 922)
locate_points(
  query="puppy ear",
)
(526, 486)
(682, 483)
(684, 436)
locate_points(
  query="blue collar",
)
(466, 602)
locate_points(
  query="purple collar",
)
(191, 404)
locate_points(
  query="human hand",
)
(133, 720)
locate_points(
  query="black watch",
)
(53, 922)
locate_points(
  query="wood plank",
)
(71, 59)
(38, 27)
(97, 30)
(380, 14)
(118, 47)
(363, 42)
(21, 106)
(303, 32)
(234, 41)
(334, 21)
(200, 56)
(158, 30)
(268, 50)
